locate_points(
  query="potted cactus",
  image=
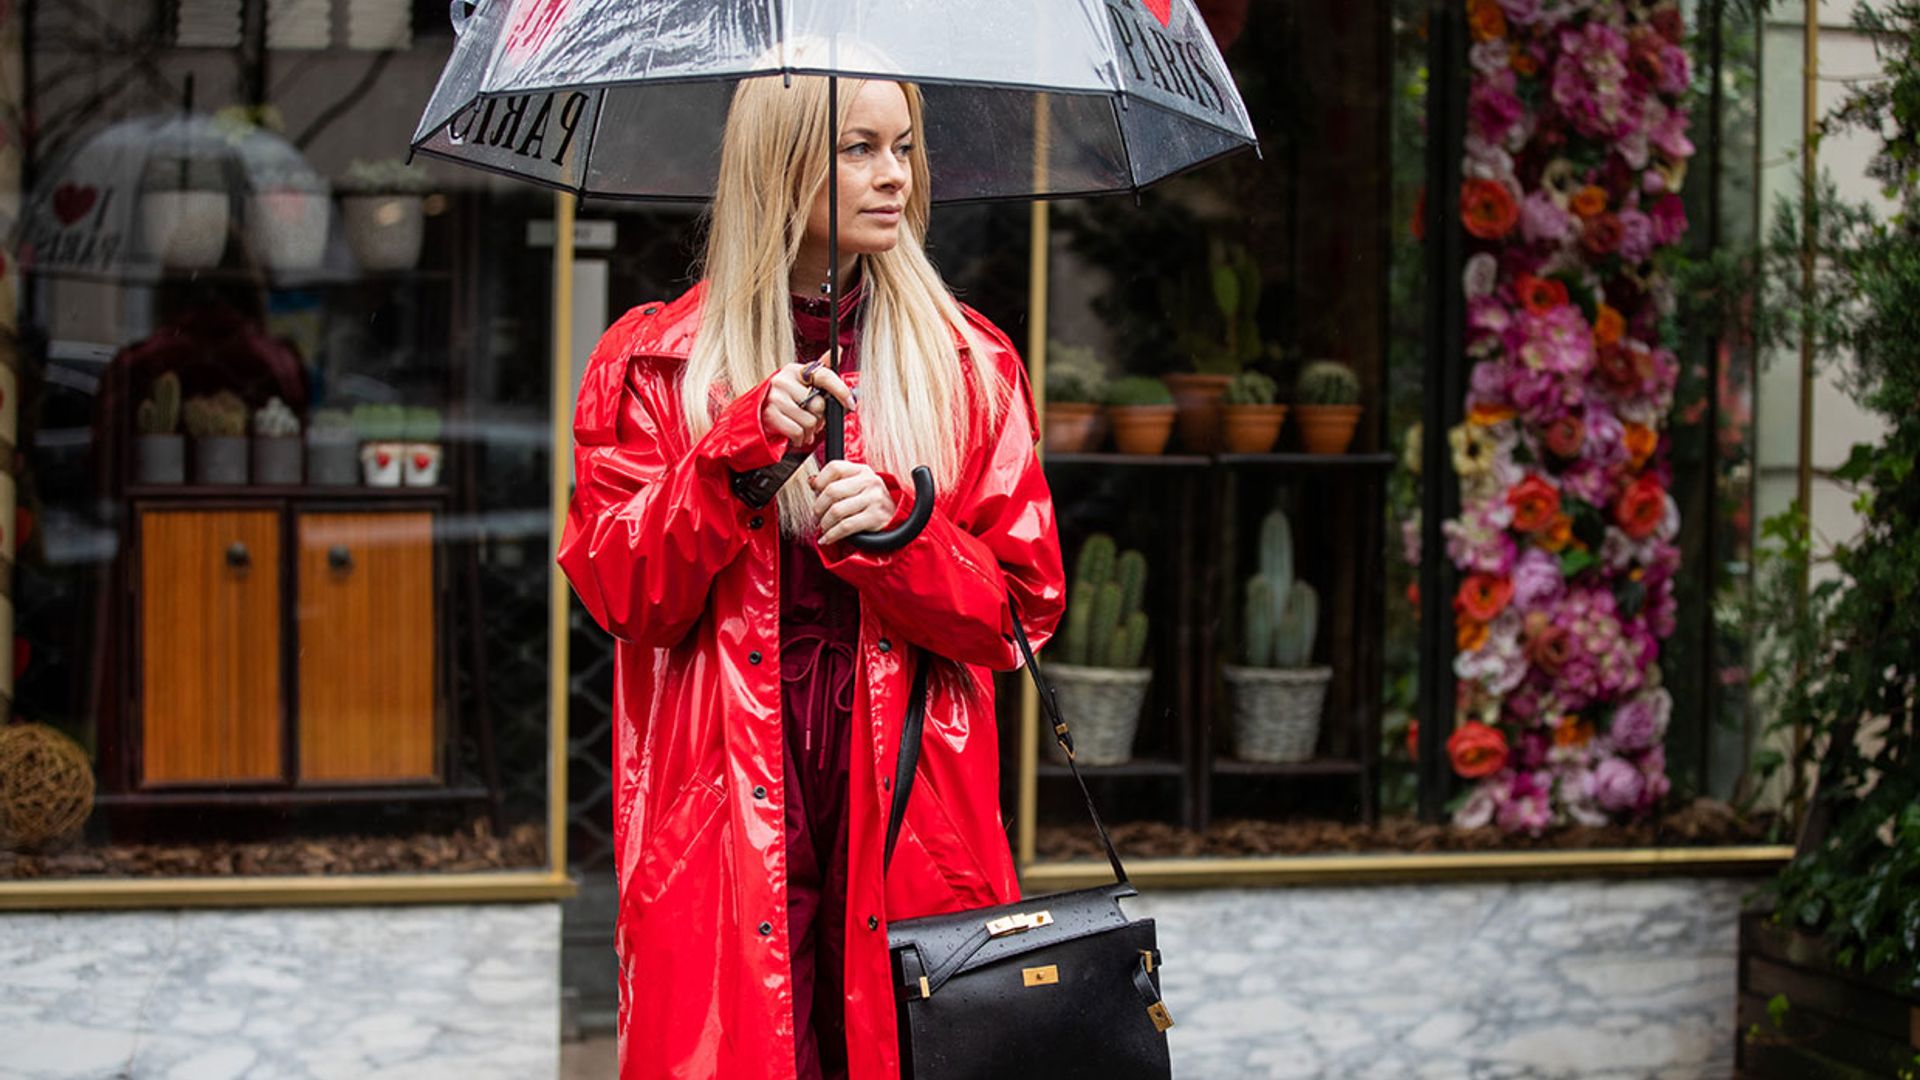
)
(333, 451)
(1233, 279)
(380, 429)
(1277, 693)
(288, 212)
(183, 210)
(218, 424)
(1076, 385)
(1249, 419)
(1097, 672)
(420, 461)
(1326, 406)
(1141, 411)
(159, 450)
(382, 204)
(276, 444)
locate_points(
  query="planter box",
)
(1838, 1021)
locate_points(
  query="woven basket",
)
(1276, 711)
(1102, 709)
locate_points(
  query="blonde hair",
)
(913, 386)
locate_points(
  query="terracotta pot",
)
(1198, 398)
(1071, 426)
(1251, 429)
(1141, 429)
(1326, 429)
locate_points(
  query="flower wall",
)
(1576, 150)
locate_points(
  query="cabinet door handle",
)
(339, 558)
(237, 556)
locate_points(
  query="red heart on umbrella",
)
(383, 459)
(71, 202)
(1160, 9)
(421, 461)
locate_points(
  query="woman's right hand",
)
(797, 403)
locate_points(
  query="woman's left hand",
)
(850, 498)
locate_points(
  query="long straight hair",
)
(914, 388)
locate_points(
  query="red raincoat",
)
(687, 578)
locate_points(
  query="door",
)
(367, 642)
(210, 688)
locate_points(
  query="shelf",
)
(281, 280)
(302, 796)
(1143, 461)
(355, 492)
(1310, 461)
(1317, 767)
(1140, 767)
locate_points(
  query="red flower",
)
(1487, 209)
(1413, 739)
(1667, 21)
(1534, 501)
(1566, 436)
(1477, 750)
(1550, 648)
(1617, 368)
(1418, 226)
(1483, 596)
(1540, 295)
(1602, 234)
(1641, 509)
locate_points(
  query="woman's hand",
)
(797, 404)
(850, 498)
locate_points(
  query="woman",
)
(764, 664)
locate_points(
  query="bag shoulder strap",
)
(915, 721)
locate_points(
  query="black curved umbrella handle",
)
(900, 535)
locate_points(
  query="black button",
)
(873, 923)
(886, 783)
(885, 645)
(759, 792)
(753, 657)
(756, 522)
(766, 928)
(650, 309)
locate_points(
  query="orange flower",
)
(1558, 534)
(1524, 62)
(1572, 731)
(1565, 437)
(1482, 597)
(1641, 509)
(1540, 295)
(1549, 648)
(1487, 414)
(1468, 635)
(1486, 19)
(1535, 501)
(1602, 234)
(1609, 326)
(1589, 201)
(1487, 209)
(1640, 440)
(1477, 750)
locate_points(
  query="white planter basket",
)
(380, 463)
(421, 464)
(184, 229)
(384, 231)
(1276, 711)
(288, 229)
(1102, 709)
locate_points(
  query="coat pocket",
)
(674, 841)
(954, 860)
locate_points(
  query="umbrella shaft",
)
(836, 413)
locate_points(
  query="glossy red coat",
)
(686, 577)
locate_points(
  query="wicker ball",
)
(46, 786)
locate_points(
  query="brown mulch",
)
(459, 852)
(1704, 823)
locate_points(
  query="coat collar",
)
(667, 331)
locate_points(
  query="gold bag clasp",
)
(1041, 976)
(1018, 923)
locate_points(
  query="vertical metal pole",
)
(1444, 391)
(836, 412)
(559, 597)
(1027, 793)
(1798, 787)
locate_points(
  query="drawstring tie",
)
(813, 654)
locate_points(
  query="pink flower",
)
(1641, 723)
(1669, 217)
(1492, 110)
(1676, 71)
(1636, 236)
(1536, 579)
(1524, 12)
(1544, 221)
(1478, 811)
(1618, 786)
(1600, 97)
(1559, 341)
(1667, 131)
(1528, 807)
(1478, 541)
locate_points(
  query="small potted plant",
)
(159, 450)
(1233, 280)
(1250, 420)
(218, 424)
(1141, 411)
(276, 444)
(183, 211)
(1098, 675)
(420, 462)
(1076, 385)
(1277, 693)
(1326, 406)
(333, 450)
(288, 212)
(380, 429)
(382, 205)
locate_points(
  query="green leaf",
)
(1777, 1007)
(1574, 560)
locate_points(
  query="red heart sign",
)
(421, 461)
(71, 202)
(1160, 9)
(383, 458)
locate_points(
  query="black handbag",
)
(1060, 986)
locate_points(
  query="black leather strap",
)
(916, 720)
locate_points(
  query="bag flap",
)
(936, 939)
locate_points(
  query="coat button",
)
(885, 645)
(873, 923)
(753, 657)
(756, 522)
(886, 783)
(759, 792)
(766, 928)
